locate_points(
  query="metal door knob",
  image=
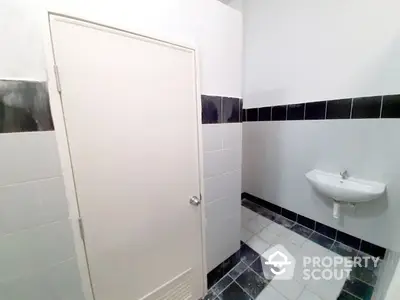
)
(194, 201)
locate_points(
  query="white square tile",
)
(269, 293)
(245, 235)
(257, 244)
(285, 242)
(35, 249)
(212, 137)
(248, 214)
(214, 163)
(232, 160)
(268, 236)
(291, 289)
(310, 248)
(307, 295)
(263, 221)
(232, 136)
(324, 289)
(37, 154)
(253, 226)
(297, 239)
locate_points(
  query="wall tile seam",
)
(222, 174)
(36, 271)
(30, 181)
(19, 231)
(222, 198)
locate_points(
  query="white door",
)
(132, 122)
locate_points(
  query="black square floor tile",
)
(295, 111)
(284, 222)
(358, 288)
(215, 275)
(234, 292)
(365, 274)
(366, 107)
(222, 284)
(237, 270)
(325, 230)
(348, 240)
(372, 249)
(344, 250)
(269, 214)
(306, 222)
(338, 109)
(391, 106)
(247, 255)
(303, 231)
(321, 240)
(230, 110)
(211, 109)
(251, 283)
(264, 114)
(346, 296)
(262, 269)
(315, 110)
(211, 295)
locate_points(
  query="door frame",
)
(55, 99)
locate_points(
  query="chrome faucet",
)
(344, 174)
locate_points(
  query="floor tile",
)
(343, 249)
(321, 240)
(310, 248)
(237, 270)
(263, 221)
(301, 230)
(370, 262)
(247, 255)
(251, 283)
(358, 288)
(291, 289)
(245, 235)
(297, 239)
(269, 236)
(222, 284)
(262, 269)
(324, 289)
(248, 214)
(307, 295)
(269, 214)
(269, 293)
(284, 222)
(215, 275)
(250, 205)
(211, 295)
(289, 246)
(253, 226)
(346, 296)
(257, 244)
(366, 274)
(234, 292)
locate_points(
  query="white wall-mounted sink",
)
(345, 190)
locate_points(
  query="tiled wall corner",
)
(222, 146)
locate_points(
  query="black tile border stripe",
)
(323, 229)
(374, 107)
(218, 109)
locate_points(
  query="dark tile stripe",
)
(315, 110)
(279, 113)
(358, 108)
(211, 109)
(348, 239)
(252, 114)
(391, 106)
(264, 114)
(338, 109)
(310, 225)
(230, 110)
(366, 107)
(296, 111)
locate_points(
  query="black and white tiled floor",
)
(249, 280)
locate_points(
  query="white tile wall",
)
(222, 190)
(276, 155)
(37, 252)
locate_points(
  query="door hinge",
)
(58, 82)
(81, 230)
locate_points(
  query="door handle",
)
(194, 200)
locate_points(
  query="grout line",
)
(351, 294)
(380, 113)
(351, 108)
(326, 109)
(243, 289)
(287, 109)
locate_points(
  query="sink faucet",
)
(344, 174)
